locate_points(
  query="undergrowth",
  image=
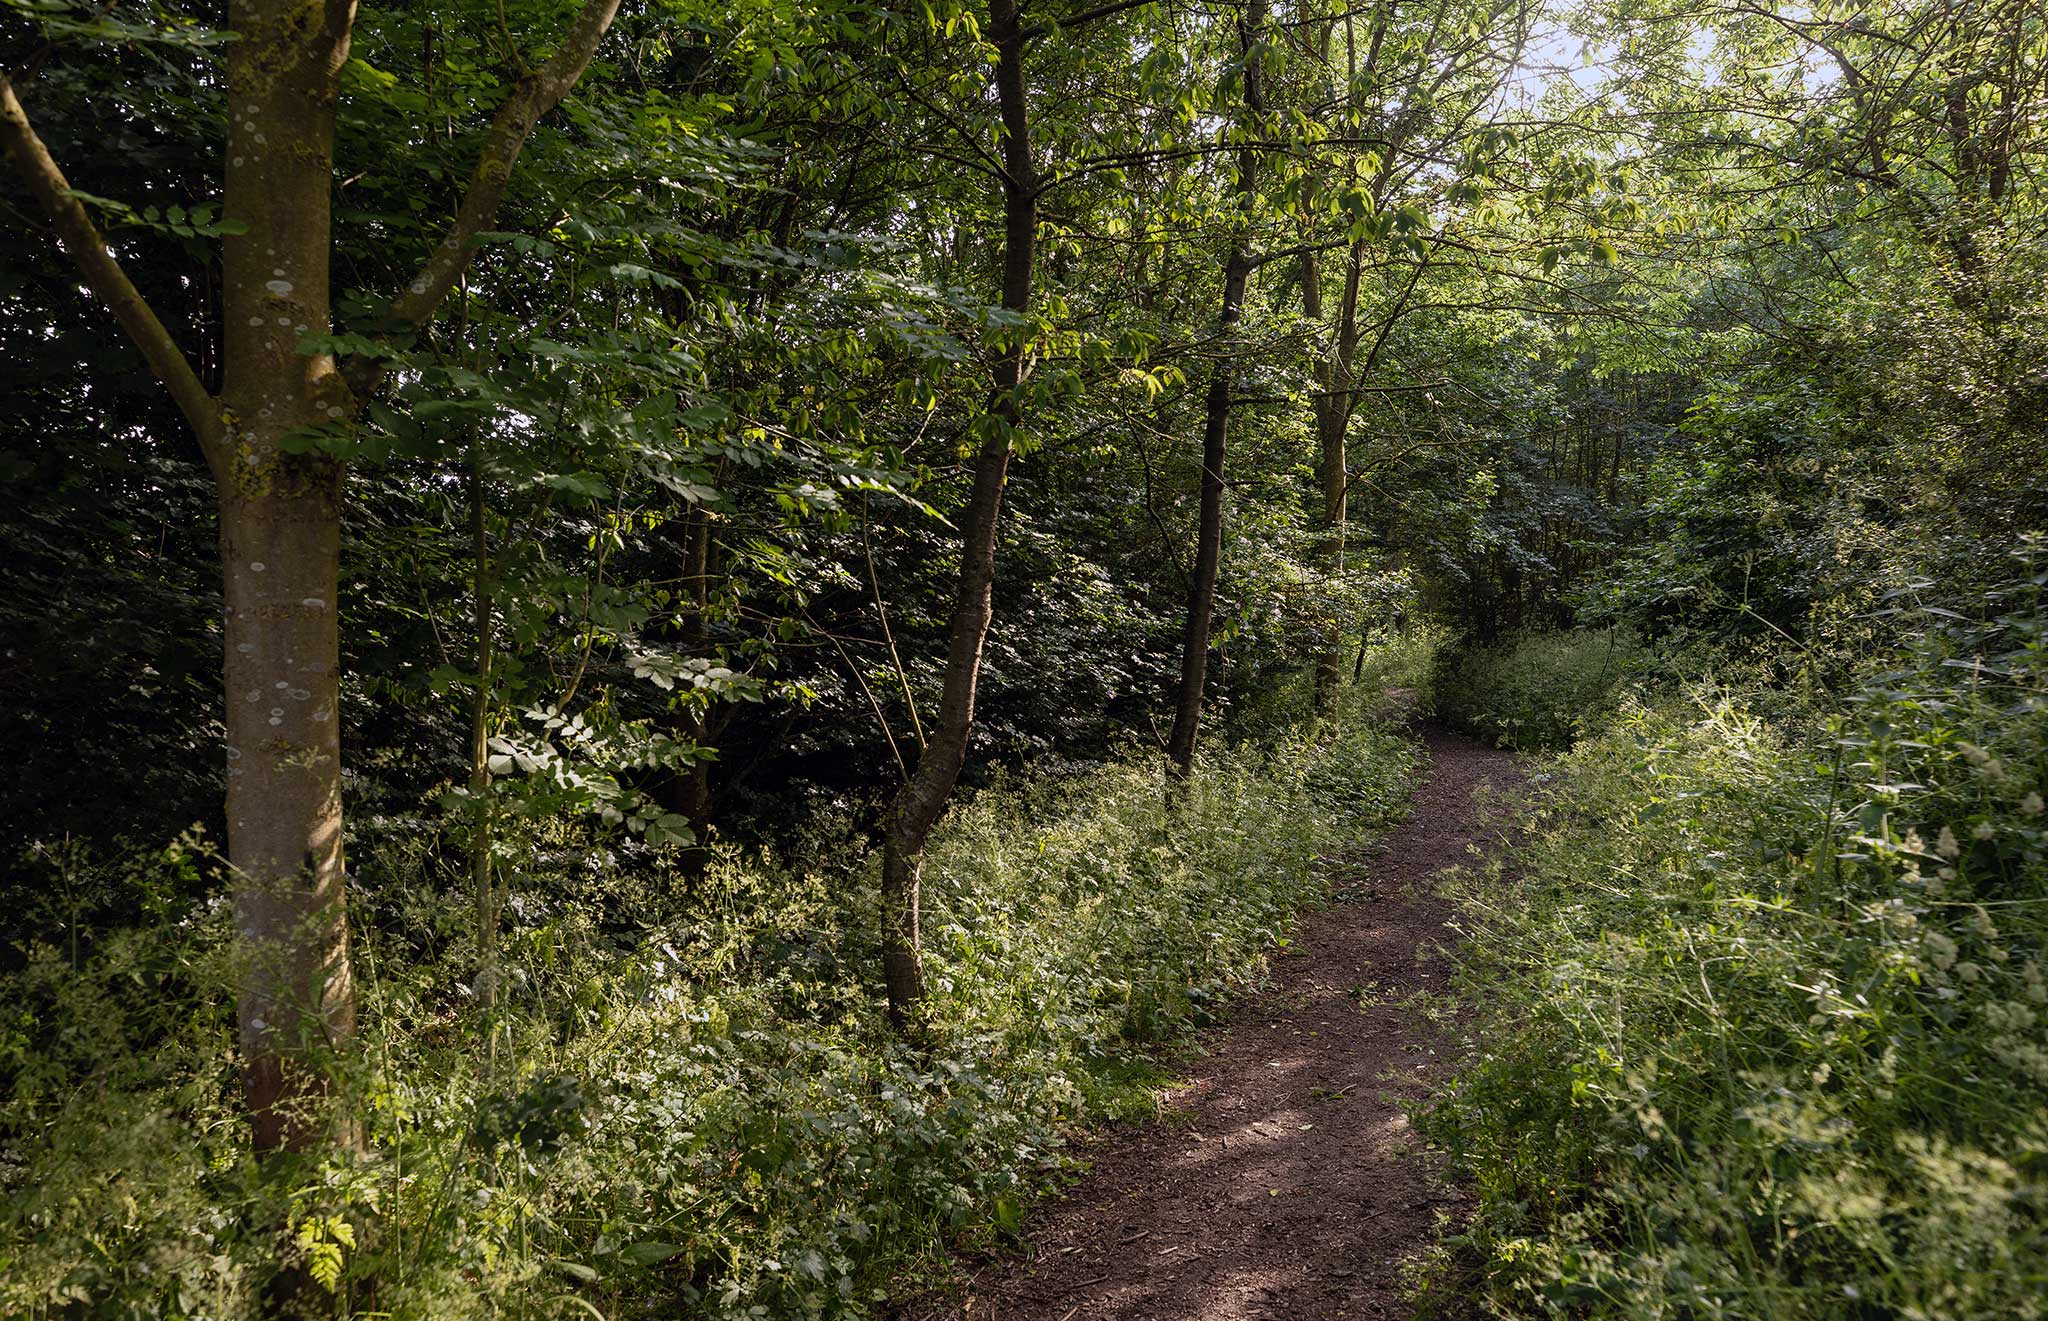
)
(1763, 1006)
(689, 1099)
(1540, 690)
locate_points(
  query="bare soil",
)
(1283, 1180)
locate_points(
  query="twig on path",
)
(1062, 1293)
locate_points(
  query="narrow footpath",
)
(1283, 1181)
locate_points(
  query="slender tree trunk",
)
(1334, 379)
(689, 789)
(1201, 609)
(280, 557)
(924, 796)
(482, 884)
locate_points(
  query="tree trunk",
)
(688, 789)
(1332, 410)
(281, 553)
(280, 513)
(483, 886)
(280, 557)
(924, 796)
(1201, 611)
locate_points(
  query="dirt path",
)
(1285, 1182)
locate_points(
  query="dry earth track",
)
(1284, 1181)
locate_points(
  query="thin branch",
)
(989, 163)
(533, 96)
(1085, 16)
(882, 613)
(874, 705)
(82, 242)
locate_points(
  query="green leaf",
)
(649, 1253)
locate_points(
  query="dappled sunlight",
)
(1283, 1178)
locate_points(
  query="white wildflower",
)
(2006, 1016)
(2023, 1056)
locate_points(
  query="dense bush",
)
(1766, 1014)
(1539, 690)
(1396, 667)
(689, 1098)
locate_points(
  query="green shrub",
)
(689, 1100)
(1539, 690)
(1765, 1013)
(1401, 662)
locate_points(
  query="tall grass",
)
(1540, 690)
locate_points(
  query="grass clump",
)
(1765, 1010)
(690, 1101)
(1539, 690)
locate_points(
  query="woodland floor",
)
(1282, 1180)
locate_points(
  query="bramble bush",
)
(1764, 1025)
(689, 1097)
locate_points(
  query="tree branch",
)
(1084, 17)
(82, 242)
(533, 96)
